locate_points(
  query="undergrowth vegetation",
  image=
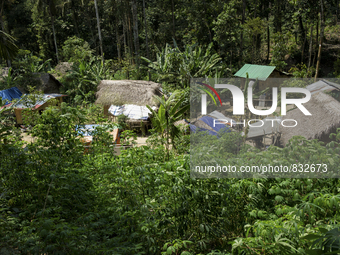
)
(56, 199)
(58, 196)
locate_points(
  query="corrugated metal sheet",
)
(322, 85)
(220, 116)
(266, 127)
(255, 71)
(40, 100)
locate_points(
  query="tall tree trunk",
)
(75, 21)
(146, 31)
(9, 62)
(277, 16)
(268, 39)
(124, 38)
(135, 30)
(316, 40)
(242, 22)
(303, 47)
(310, 46)
(87, 16)
(118, 39)
(255, 35)
(255, 9)
(54, 38)
(124, 35)
(52, 10)
(128, 34)
(321, 39)
(173, 20)
(146, 37)
(99, 33)
(1, 18)
(302, 29)
(336, 12)
(303, 37)
(130, 41)
(205, 20)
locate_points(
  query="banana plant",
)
(85, 76)
(167, 61)
(197, 63)
(170, 111)
(101, 70)
(175, 66)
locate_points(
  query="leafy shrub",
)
(279, 51)
(81, 83)
(76, 49)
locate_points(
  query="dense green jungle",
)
(56, 199)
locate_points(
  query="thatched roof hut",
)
(49, 84)
(120, 92)
(324, 120)
(45, 83)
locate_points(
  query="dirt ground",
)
(27, 138)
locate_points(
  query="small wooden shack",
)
(122, 92)
(45, 83)
(267, 76)
(35, 102)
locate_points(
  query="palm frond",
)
(8, 49)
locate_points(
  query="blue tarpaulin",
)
(87, 130)
(10, 94)
(194, 129)
(90, 129)
(218, 125)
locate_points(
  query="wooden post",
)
(143, 128)
(106, 110)
(18, 116)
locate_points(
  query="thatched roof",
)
(62, 69)
(202, 124)
(325, 119)
(182, 125)
(181, 122)
(45, 83)
(119, 92)
(49, 84)
(4, 71)
(323, 85)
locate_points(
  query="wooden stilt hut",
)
(123, 92)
